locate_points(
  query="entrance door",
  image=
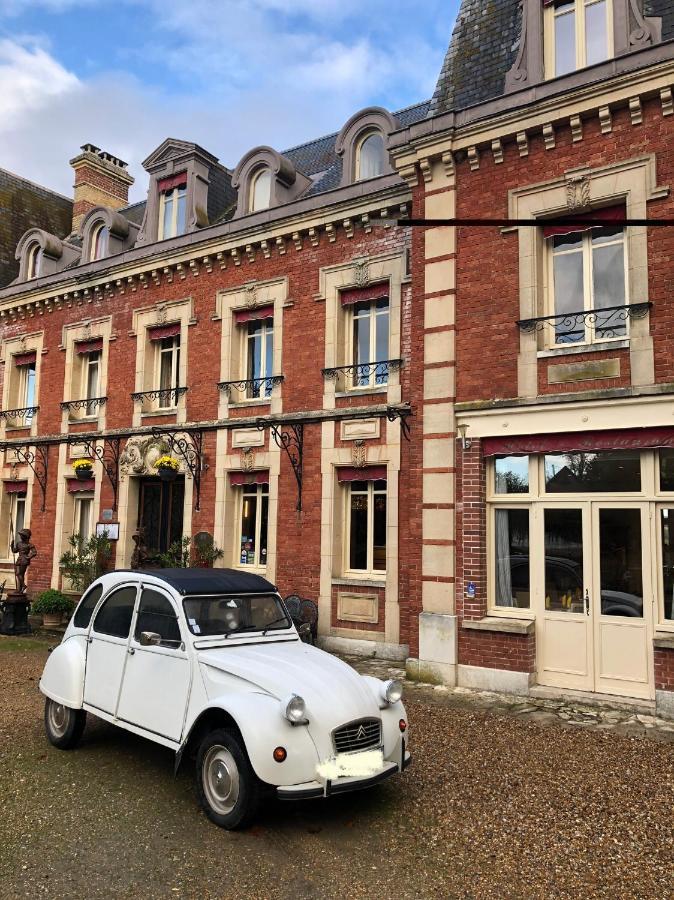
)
(160, 512)
(593, 624)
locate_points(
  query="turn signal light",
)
(280, 754)
(402, 725)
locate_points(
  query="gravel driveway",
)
(493, 806)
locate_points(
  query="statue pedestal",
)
(15, 614)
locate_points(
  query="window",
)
(512, 558)
(589, 274)
(168, 358)
(34, 262)
(26, 390)
(511, 475)
(172, 207)
(83, 518)
(370, 343)
(608, 471)
(99, 242)
(87, 606)
(114, 616)
(253, 518)
(17, 519)
(371, 156)
(579, 34)
(366, 526)
(667, 538)
(156, 614)
(91, 365)
(260, 190)
(259, 358)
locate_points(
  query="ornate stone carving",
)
(139, 456)
(578, 191)
(361, 271)
(358, 454)
(161, 314)
(642, 35)
(250, 295)
(86, 331)
(247, 459)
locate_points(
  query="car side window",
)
(114, 617)
(156, 614)
(87, 606)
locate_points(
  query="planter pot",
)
(166, 473)
(51, 620)
(35, 621)
(84, 474)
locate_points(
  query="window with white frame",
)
(253, 519)
(365, 532)
(16, 519)
(587, 274)
(260, 190)
(91, 369)
(578, 34)
(370, 156)
(259, 356)
(25, 387)
(172, 212)
(83, 515)
(370, 343)
(99, 242)
(168, 370)
(34, 262)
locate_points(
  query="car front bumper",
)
(311, 789)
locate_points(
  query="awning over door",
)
(579, 442)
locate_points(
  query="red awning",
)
(92, 346)
(173, 181)
(242, 316)
(16, 487)
(367, 473)
(364, 295)
(608, 214)
(237, 479)
(164, 331)
(25, 359)
(75, 486)
(580, 442)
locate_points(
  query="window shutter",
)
(242, 316)
(237, 479)
(368, 473)
(164, 331)
(609, 214)
(25, 359)
(16, 487)
(173, 181)
(75, 486)
(93, 346)
(363, 295)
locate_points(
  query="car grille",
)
(361, 735)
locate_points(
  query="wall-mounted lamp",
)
(465, 441)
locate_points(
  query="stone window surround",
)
(332, 279)
(361, 124)
(121, 233)
(56, 254)
(529, 66)
(162, 313)
(88, 330)
(248, 296)
(26, 343)
(287, 184)
(22, 473)
(632, 181)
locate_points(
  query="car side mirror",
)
(149, 639)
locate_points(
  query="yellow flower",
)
(167, 462)
(82, 464)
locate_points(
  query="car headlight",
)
(392, 691)
(294, 709)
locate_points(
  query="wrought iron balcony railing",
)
(254, 388)
(90, 405)
(26, 414)
(166, 398)
(365, 374)
(569, 328)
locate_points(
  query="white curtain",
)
(504, 584)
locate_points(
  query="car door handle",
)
(131, 651)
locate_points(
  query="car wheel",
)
(228, 790)
(64, 725)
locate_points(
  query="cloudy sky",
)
(228, 74)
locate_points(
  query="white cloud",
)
(29, 80)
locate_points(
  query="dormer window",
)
(579, 34)
(172, 206)
(100, 241)
(34, 262)
(260, 191)
(371, 156)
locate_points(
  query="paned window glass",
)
(511, 474)
(254, 518)
(608, 471)
(512, 559)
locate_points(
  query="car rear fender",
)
(63, 676)
(263, 728)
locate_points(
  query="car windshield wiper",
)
(242, 628)
(275, 622)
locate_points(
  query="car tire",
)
(229, 792)
(63, 724)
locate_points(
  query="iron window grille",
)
(253, 388)
(365, 375)
(26, 414)
(569, 328)
(166, 397)
(89, 403)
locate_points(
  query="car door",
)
(107, 648)
(156, 682)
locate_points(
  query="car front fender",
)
(263, 728)
(63, 676)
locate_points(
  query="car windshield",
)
(230, 614)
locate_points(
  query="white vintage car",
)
(208, 662)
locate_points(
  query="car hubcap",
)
(58, 719)
(221, 780)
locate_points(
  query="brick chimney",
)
(100, 180)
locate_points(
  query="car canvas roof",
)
(210, 581)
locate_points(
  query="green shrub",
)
(86, 561)
(51, 603)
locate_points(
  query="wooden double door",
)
(160, 512)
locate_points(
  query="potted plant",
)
(85, 561)
(205, 551)
(167, 467)
(52, 605)
(84, 469)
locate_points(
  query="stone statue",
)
(25, 552)
(140, 556)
